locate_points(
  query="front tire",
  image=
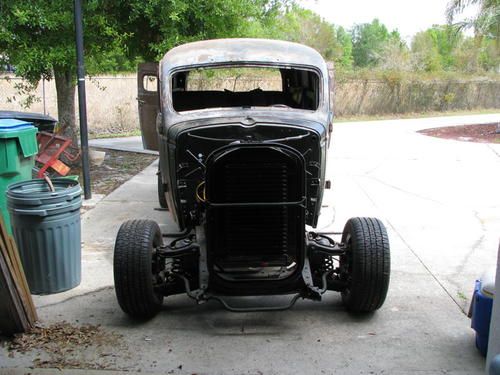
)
(366, 265)
(135, 267)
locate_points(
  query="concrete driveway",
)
(440, 201)
(439, 197)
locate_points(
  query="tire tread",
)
(370, 264)
(132, 268)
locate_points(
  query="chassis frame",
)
(301, 286)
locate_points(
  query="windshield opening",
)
(245, 87)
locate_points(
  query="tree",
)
(489, 55)
(485, 23)
(447, 39)
(38, 38)
(368, 40)
(38, 35)
(156, 26)
(300, 25)
(425, 52)
(474, 55)
(436, 46)
(304, 26)
(393, 55)
(344, 38)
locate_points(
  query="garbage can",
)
(46, 226)
(481, 307)
(18, 147)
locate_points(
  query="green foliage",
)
(485, 23)
(303, 26)
(345, 60)
(489, 54)
(425, 52)
(300, 25)
(483, 52)
(368, 40)
(467, 56)
(440, 41)
(38, 37)
(446, 48)
(448, 98)
(394, 55)
(156, 26)
(396, 76)
(447, 39)
(25, 91)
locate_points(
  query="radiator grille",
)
(259, 234)
(266, 182)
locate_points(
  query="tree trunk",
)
(65, 87)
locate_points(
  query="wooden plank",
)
(60, 167)
(14, 266)
(56, 165)
(24, 283)
(13, 316)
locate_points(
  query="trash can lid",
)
(7, 125)
(36, 193)
(23, 131)
(488, 283)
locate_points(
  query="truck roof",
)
(242, 50)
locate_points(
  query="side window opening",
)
(150, 83)
(245, 87)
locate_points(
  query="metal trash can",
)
(18, 147)
(46, 226)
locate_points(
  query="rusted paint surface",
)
(231, 52)
(242, 50)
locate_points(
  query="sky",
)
(408, 16)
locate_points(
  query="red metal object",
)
(50, 148)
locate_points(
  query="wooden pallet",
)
(17, 310)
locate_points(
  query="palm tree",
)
(485, 23)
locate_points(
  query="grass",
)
(132, 133)
(461, 296)
(111, 103)
(395, 116)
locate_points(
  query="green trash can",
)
(47, 230)
(18, 147)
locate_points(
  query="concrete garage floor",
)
(439, 200)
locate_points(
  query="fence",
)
(112, 104)
(377, 97)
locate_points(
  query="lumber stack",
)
(17, 310)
